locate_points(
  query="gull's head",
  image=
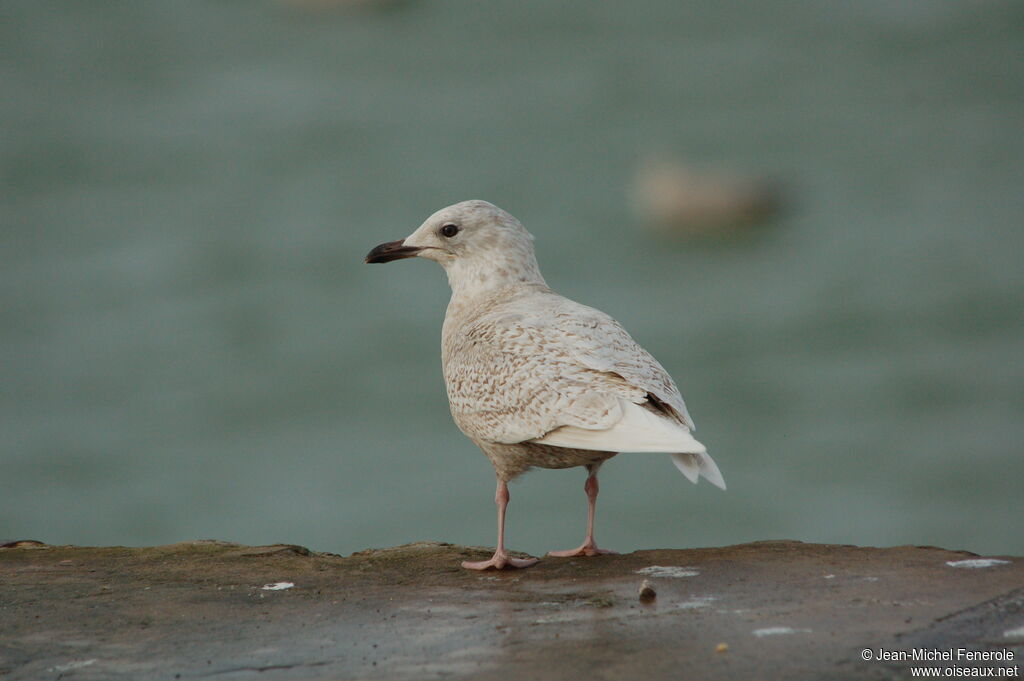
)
(477, 243)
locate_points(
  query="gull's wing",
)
(541, 368)
(600, 343)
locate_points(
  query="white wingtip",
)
(694, 465)
(637, 430)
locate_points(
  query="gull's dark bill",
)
(392, 250)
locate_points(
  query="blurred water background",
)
(191, 346)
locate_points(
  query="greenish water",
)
(191, 346)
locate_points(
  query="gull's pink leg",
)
(589, 548)
(500, 559)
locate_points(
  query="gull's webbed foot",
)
(500, 561)
(588, 549)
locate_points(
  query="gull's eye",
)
(449, 230)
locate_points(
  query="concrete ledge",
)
(768, 610)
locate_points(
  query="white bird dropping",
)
(535, 379)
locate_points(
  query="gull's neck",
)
(474, 280)
(474, 277)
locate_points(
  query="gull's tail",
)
(693, 465)
(642, 430)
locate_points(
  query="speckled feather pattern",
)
(524, 361)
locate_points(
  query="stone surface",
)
(767, 610)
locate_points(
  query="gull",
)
(535, 379)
